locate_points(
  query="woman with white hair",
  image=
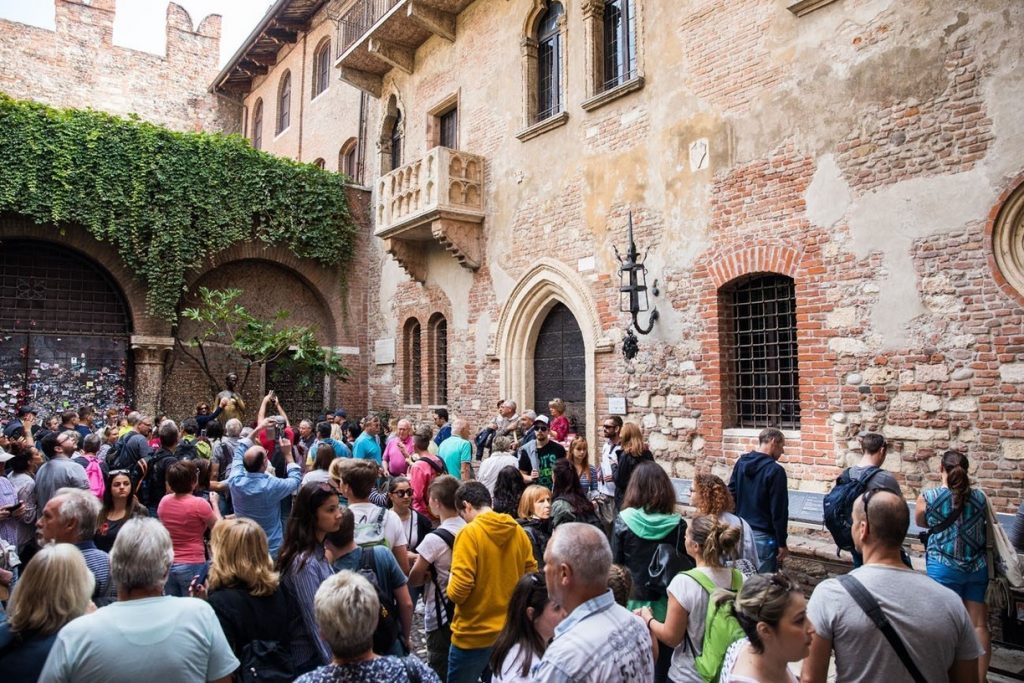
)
(55, 588)
(347, 609)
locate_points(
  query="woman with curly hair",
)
(711, 496)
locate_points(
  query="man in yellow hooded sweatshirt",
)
(491, 553)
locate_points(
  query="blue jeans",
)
(180, 577)
(466, 666)
(767, 552)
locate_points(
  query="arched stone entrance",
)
(547, 285)
(65, 330)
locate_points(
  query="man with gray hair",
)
(457, 451)
(70, 517)
(60, 471)
(145, 635)
(598, 641)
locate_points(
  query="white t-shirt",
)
(434, 550)
(166, 639)
(489, 468)
(512, 667)
(694, 599)
(609, 456)
(369, 531)
(732, 655)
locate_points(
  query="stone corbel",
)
(150, 350)
(592, 8)
(362, 80)
(461, 239)
(438, 22)
(394, 54)
(410, 255)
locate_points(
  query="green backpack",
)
(721, 629)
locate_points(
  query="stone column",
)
(149, 354)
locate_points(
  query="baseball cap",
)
(340, 412)
(543, 419)
(5, 456)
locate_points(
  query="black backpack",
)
(838, 505)
(442, 603)
(265, 660)
(386, 633)
(154, 485)
(119, 458)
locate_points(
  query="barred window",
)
(284, 102)
(549, 62)
(439, 358)
(322, 67)
(412, 363)
(763, 374)
(257, 125)
(619, 46)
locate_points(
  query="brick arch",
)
(103, 254)
(322, 281)
(429, 302)
(758, 259)
(1010, 200)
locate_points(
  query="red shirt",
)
(186, 519)
(268, 443)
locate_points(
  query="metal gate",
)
(559, 366)
(301, 392)
(64, 331)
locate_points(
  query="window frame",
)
(626, 63)
(257, 124)
(412, 363)
(550, 63)
(321, 69)
(284, 103)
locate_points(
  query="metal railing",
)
(360, 18)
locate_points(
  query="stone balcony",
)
(376, 36)
(439, 198)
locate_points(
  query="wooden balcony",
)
(376, 36)
(438, 198)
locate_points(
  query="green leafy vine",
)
(165, 200)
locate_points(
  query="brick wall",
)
(77, 65)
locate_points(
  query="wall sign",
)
(384, 351)
(617, 405)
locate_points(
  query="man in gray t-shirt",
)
(929, 618)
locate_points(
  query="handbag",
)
(604, 506)
(1003, 559)
(664, 565)
(867, 602)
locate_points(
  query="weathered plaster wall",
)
(78, 66)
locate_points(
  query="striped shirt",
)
(301, 579)
(98, 563)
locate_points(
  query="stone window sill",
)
(611, 94)
(807, 6)
(541, 127)
(747, 433)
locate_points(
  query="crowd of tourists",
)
(209, 550)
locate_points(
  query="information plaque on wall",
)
(617, 405)
(384, 351)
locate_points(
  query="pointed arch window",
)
(396, 141)
(412, 384)
(438, 349)
(284, 102)
(257, 125)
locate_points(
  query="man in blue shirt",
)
(444, 428)
(457, 451)
(257, 495)
(366, 446)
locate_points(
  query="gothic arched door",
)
(64, 331)
(559, 366)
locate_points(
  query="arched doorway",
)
(64, 330)
(559, 366)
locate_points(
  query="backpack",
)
(377, 531)
(94, 473)
(265, 660)
(120, 459)
(838, 506)
(386, 633)
(445, 602)
(186, 450)
(437, 465)
(721, 628)
(154, 483)
(224, 458)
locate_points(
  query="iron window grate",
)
(619, 43)
(764, 376)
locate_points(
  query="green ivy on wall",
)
(165, 200)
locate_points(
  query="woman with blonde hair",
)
(54, 588)
(708, 541)
(559, 422)
(711, 496)
(535, 518)
(634, 451)
(579, 456)
(244, 590)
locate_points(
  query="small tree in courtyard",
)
(226, 325)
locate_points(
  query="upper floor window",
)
(396, 141)
(619, 42)
(257, 125)
(449, 125)
(348, 160)
(549, 62)
(322, 67)
(284, 102)
(760, 333)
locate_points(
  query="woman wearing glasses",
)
(530, 625)
(414, 525)
(119, 505)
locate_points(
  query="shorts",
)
(970, 586)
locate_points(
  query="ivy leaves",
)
(165, 200)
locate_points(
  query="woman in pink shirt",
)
(559, 422)
(187, 518)
(398, 453)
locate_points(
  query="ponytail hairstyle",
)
(763, 599)
(715, 538)
(955, 465)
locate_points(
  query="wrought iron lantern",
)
(633, 293)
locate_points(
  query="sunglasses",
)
(114, 473)
(541, 428)
(867, 498)
(404, 493)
